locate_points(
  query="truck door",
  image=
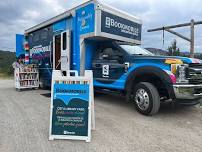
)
(61, 51)
(19, 45)
(108, 65)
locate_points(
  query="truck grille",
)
(194, 74)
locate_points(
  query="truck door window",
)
(111, 54)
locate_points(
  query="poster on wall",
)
(71, 99)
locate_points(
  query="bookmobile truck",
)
(95, 36)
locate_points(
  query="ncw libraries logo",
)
(107, 22)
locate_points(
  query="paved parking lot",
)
(24, 126)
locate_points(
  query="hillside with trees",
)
(173, 50)
(6, 60)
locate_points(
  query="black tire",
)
(148, 102)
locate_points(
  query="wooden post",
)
(192, 40)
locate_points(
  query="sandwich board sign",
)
(72, 106)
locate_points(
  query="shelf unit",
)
(26, 77)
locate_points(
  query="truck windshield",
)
(135, 50)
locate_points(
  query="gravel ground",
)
(24, 126)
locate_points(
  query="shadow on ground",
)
(166, 108)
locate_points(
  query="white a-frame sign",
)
(72, 106)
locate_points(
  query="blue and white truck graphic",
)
(95, 36)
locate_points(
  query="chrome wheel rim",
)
(142, 99)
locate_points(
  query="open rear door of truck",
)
(19, 45)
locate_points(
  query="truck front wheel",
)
(146, 98)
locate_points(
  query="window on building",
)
(44, 35)
(64, 38)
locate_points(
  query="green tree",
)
(173, 50)
(6, 60)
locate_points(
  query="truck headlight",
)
(180, 71)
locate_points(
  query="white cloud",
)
(31, 14)
(154, 13)
(55, 5)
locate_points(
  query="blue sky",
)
(18, 15)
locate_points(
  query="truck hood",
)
(185, 60)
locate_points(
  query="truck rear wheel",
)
(146, 98)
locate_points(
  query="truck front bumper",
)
(188, 91)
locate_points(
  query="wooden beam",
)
(173, 26)
(178, 34)
(191, 40)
